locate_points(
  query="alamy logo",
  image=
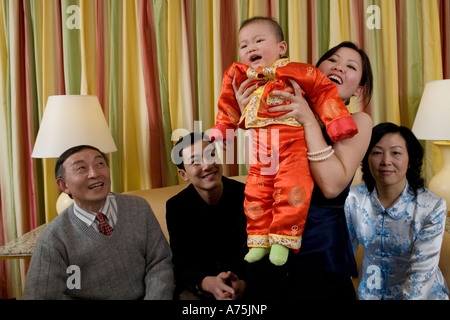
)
(374, 20)
(374, 278)
(74, 280)
(74, 20)
(268, 156)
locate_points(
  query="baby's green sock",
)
(256, 254)
(278, 254)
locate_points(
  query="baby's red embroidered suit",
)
(279, 186)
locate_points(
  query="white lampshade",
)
(433, 116)
(69, 121)
(433, 123)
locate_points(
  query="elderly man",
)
(104, 245)
(206, 224)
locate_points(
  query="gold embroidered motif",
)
(255, 180)
(294, 230)
(269, 73)
(262, 122)
(261, 241)
(331, 109)
(277, 196)
(311, 72)
(297, 196)
(287, 241)
(274, 100)
(250, 113)
(252, 74)
(260, 182)
(280, 62)
(254, 210)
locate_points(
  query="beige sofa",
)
(158, 197)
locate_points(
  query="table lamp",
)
(69, 121)
(432, 122)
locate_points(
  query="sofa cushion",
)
(158, 197)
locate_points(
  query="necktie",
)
(103, 225)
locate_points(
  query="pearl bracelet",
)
(319, 152)
(321, 158)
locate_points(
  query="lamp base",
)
(63, 202)
(440, 183)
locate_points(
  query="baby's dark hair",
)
(272, 22)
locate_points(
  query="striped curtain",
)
(156, 67)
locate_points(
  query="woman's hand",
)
(242, 94)
(298, 109)
(219, 288)
(238, 286)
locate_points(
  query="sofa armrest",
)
(444, 262)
